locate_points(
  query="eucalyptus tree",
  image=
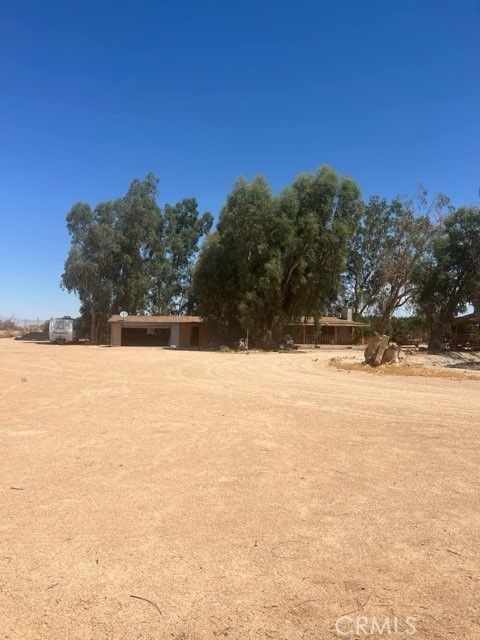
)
(320, 213)
(272, 260)
(90, 265)
(392, 237)
(181, 229)
(136, 223)
(130, 255)
(448, 278)
(237, 278)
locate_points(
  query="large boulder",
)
(391, 354)
(375, 350)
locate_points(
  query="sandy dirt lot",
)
(241, 496)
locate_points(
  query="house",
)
(466, 332)
(330, 331)
(193, 331)
(159, 331)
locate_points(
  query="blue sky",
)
(94, 94)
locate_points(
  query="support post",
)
(175, 335)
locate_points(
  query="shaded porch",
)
(329, 331)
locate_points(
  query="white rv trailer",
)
(61, 330)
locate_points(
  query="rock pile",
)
(381, 351)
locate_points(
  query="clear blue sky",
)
(94, 94)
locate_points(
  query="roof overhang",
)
(329, 321)
(470, 318)
(154, 321)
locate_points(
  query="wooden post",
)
(304, 339)
(335, 334)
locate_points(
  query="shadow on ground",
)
(465, 364)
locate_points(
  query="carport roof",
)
(470, 318)
(155, 319)
(331, 321)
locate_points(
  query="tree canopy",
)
(274, 259)
(390, 240)
(131, 255)
(448, 277)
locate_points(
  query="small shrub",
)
(224, 349)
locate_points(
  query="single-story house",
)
(472, 319)
(159, 331)
(331, 331)
(193, 331)
(466, 332)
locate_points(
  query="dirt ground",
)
(453, 361)
(150, 494)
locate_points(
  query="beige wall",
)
(115, 334)
(206, 336)
(185, 335)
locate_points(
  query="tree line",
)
(131, 255)
(273, 259)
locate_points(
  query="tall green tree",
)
(275, 259)
(181, 229)
(89, 268)
(448, 278)
(237, 279)
(129, 255)
(320, 213)
(367, 254)
(390, 240)
(136, 223)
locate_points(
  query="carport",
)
(144, 337)
(158, 331)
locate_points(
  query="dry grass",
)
(9, 333)
(403, 370)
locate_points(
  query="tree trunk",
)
(93, 327)
(99, 331)
(382, 322)
(436, 339)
